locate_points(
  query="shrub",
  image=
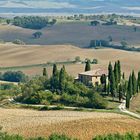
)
(14, 76)
(19, 42)
(44, 108)
(59, 137)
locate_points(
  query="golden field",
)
(14, 55)
(82, 125)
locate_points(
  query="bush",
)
(19, 42)
(117, 136)
(14, 76)
(44, 108)
(59, 137)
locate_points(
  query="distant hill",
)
(70, 6)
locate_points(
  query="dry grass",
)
(13, 55)
(135, 104)
(82, 125)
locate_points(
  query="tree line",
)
(117, 136)
(31, 22)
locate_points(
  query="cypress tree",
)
(127, 100)
(138, 81)
(110, 69)
(130, 87)
(62, 78)
(112, 85)
(123, 76)
(45, 72)
(108, 88)
(134, 83)
(87, 67)
(119, 71)
(55, 78)
(120, 92)
(103, 81)
(55, 71)
(116, 74)
(129, 92)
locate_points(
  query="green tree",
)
(87, 67)
(62, 78)
(55, 78)
(45, 72)
(103, 81)
(112, 85)
(55, 71)
(116, 74)
(37, 35)
(110, 70)
(129, 92)
(134, 83)
(119, 71)
(138, 81)
(120, 93)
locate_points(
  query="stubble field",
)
(81, 125)
(14, 55)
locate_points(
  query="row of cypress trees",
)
(133, 87)
(58, 78)
(114, 78)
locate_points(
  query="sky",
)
(127, 6)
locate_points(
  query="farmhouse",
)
(92, 77)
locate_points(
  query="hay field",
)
(14, 55)
(82, 125)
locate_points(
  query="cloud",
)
(35, 4)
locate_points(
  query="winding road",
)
(124, 110)
(121, 107)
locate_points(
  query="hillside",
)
(14, 55)
(75, 33)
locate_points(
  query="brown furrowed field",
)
(75, 33)
(82, 125)
(14, 55)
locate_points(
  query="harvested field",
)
(135, 104)
(82, 125)
(14, 55)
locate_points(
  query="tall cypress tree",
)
(130, 86)
(127, 100)
(55, 78)
(129, 92)
(62, 78)
(103, 81)
(134, 83)
(138, 81)
(120, 92)
(87, 67)
(112, 85)
(116, 74)
(45, 72)
(110, 69)
(119, 71)
(123, 76)
(55, 71)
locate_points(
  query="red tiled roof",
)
(97, 72)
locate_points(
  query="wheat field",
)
(81, 125)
